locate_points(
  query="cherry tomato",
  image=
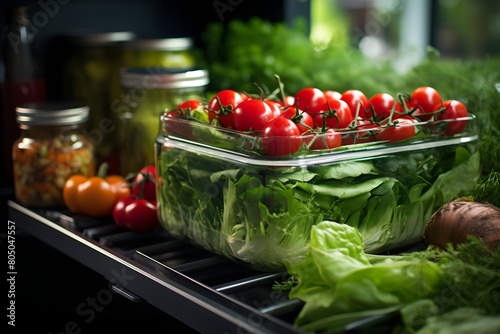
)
(310, 100)
(402, 128)
(424, 98)
(326, 140)
(281, 137)
(303, 120)
(336, 114)
(382, 104)
(252, 115)
(190, 104)
(333, 94)
(136, 214)
(275, 106)
(222, 105)
(289, 101)
(175, 123)
(353, 97)
(144, 183)
(364, 133)
(452, 109)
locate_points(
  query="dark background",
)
(49, 284)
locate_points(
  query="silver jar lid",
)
(52, 113)
(165, 44)
(162, 77)
(100, 38)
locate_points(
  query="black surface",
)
(54, 292)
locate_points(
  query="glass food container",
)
(218, 190)
(147, 92)
(168, 52)
(51, 148)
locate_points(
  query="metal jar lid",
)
(52, 113)
(100, 38)
(162, 77)
(166, 44)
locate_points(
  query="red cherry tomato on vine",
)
(310, 100)
(252, 115)
(222, 106)
(424, 98)
(281, 137)
(190, 104)
(332, 94)
(452, 109)
(403, 128)
(382, 104)
(144, 183)
(275, 107)
(326, 140)
(353, 97)
(336, 114)
(364, 132)
(303, 120)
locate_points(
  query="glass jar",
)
(51, 148)
(168, 52)
(146, 93)
(92, 77)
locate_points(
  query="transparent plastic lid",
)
(246, 148)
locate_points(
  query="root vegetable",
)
(456, 220)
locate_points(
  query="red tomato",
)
(289, 101)
(190, 104)
(424, 98)
(326, 140)
(452, 109)
(365, 132)
(139, 215)
(353, 97)
(303, 120)
(310, 100)
(336, 115)
(222, 105)
(382, 104)
(403, 128)
(175, 123)
(281, 137)
(275, 106)
(332, 94)
(144, 183)
(252, 115)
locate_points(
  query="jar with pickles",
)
(147, 92)
(52, 147)
(91, 76)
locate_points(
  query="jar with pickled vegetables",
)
(52, 147)
(91, 76)
(146, 93)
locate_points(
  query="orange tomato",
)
(94, 196)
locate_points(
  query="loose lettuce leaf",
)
(337, 278)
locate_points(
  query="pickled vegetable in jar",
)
(167, 52)
(147, 92)
(92, 77)
(51, 148)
